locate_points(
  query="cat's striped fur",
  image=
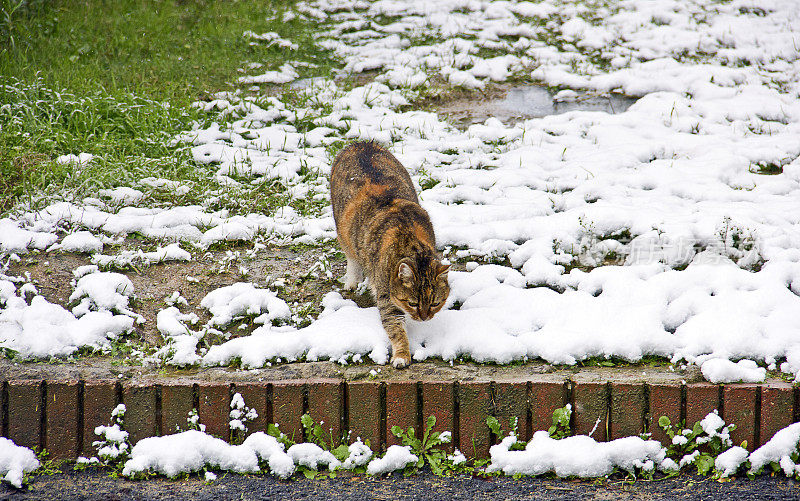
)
(387, 236)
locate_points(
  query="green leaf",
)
(397, 431)
(664, 422)
(494, 425)
(704, 464)
(431, 421)
(420, 462)
(306, 421)
(309, 473)
(341, 453)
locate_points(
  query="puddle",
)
(515, 104)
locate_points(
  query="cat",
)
(387, 236)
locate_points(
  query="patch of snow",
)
(578, 456)
(720, 370)
(396, 458)
(242, 299)
(80, 159)
(15, 462)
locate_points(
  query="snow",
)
(729, 461)
(241, 299)
(396, 458)
(719, 370)
(15, 462)
(778, 449)
(579, 456)
(359, 455)
(80, 241)
(671, 191)
(80, 159)
(42, 329)
(102, 291)
(192, 450)
(312, 456)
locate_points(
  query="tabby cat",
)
(387, 236)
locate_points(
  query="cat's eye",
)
(413, 305)
(436, 305)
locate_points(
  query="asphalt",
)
(98, 485)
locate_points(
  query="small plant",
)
(193, 422)
(240, 416)
(494, 425)
(560, 428)
(113, 447)
(711, 432)
(426, 448)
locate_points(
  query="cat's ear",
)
(441, 269)
(404, 273)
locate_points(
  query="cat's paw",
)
(350, 284)
(400, 362)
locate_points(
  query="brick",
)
(545, 397)
(61, 411)
(665, 400)
(214, 407)
(438, 400)
(401, 408)
(287, 408)
(364, 410)
(177, 400)
(701, 398)
(511, 402)
(740, 409)
(99, 399)
(326, 404)
(140, 411)
(590, 402)
(24, 413)
(627, 410)
(475, 405)
(255, 397)
(777, 402)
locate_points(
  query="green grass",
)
(95, 77)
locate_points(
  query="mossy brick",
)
(665, 400)
(214, 407)
(510, 403)
(364, 411)
(739, 407)
(140, 411)
(627, 410)
(61, 421)
(590, 404)
(99, 399)
(255, 397)
(545, 397)
(475, 405)
(438, 400)
(777, 409)
(25, 412)
(401, 408)
(701, 398)
(287, 407)
(326, 405)
(177, 400)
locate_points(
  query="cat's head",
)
(419, 286)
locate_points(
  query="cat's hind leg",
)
(353, 276)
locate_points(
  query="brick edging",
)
(61, 415)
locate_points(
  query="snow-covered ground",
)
(671, 229)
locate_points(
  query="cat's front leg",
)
(394, 323)
(353, 276)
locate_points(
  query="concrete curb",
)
(60, 415)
